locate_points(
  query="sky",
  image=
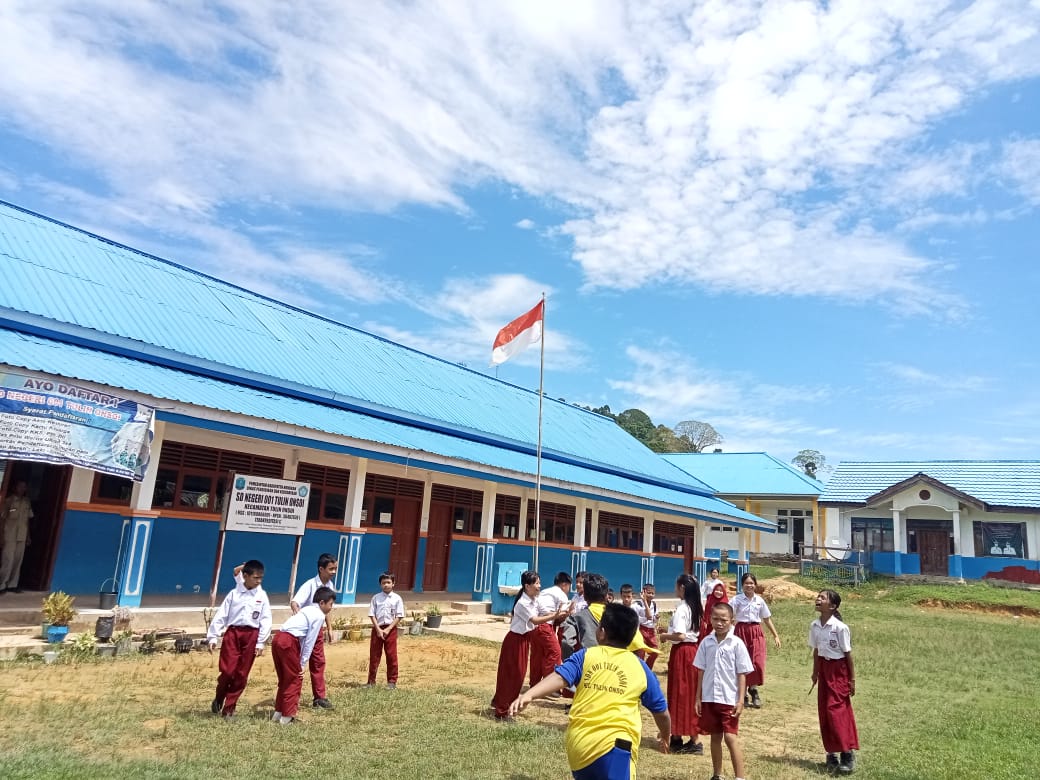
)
(813, 225)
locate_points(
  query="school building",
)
(958, 518)
(134, 388)
(764, 486)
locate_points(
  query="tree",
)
(638, 423)
(665, 440)
(696, 435)
(810, 461)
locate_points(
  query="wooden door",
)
(438, 547)
(48, 492)
(404, 541)
(934, 549)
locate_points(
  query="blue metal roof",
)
(72, 286)
(745, 473)
(1003, 483)
(424, 448)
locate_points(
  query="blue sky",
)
(813, 225)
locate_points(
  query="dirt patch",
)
(781, 589)
(974, 606)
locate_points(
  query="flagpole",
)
(538, 465)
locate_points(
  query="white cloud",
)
(719, 144)
(525, 224)
(1021, 166)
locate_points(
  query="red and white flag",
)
(518, 335)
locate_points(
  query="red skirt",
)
(512, 666)
(834, 700)
(545, 652)
(682, 689)
(755, 641)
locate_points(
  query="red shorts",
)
(718, 718)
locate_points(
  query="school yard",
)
(945, 676)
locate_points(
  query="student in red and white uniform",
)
(709, 585)
(646, 609)
(751, 612)
(723, 662)
(512, 659)
(833, 671)
(545, 644)
(682, 677)
(244, 618)
(385, 612)
(291, 650)
(327, 567)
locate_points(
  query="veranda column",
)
(956, 570)
(898, 543)
(352, 542)
(647, 565)
(136, 538)
(424, 530)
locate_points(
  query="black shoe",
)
(756, 702)
(3, 591)
(324, 704)
(216, 706)
(697, 749)
(17, 590)
(832, 761)
(847, 764)
(675, 745)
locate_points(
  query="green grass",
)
(942, 694)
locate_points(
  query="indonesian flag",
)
(518, 335)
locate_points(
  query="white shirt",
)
(647, 617)
(832, 639)
(305, 625)
(386, 608)
(708, 587)
(551, 600)
(243, 607)
(579, 603)
(753, 610)
(721, 662)
(523, 611)
(682, 623)
(305, 594)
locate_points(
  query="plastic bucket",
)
(103, 627)
(108, 598)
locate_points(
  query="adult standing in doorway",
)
(14, 521)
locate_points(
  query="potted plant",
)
(433, 616)
(339, 627)
(59, 612)
(354, 629)
(124, 641)
(415, 627)
(183, 643)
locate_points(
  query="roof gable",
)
(1007, 484)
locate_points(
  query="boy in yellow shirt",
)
(603, 736)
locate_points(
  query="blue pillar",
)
(420, 564)
(646, 570)
(349, 554)
(700, 569)
(483, 571)
(956, 567)
(133, 559)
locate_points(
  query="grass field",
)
(944, 692)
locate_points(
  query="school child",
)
(579, 603)
(292, 648)
(751, 612)
(512, 659)
(327, 567)
(834, 672)
(682, 678)
(610, 595)
(709, 585)
(723, 662)
(646, 608)
(385, 612)
(579, 629)
(244, 618)
(603, 734)
(545, 644)
(717, 596)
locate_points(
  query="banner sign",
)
(265, 505)
(55, 420)
(1004, 539)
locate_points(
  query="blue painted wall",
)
(86, 552)
(666, 572)
(977, 568)
(375, 558)
(618, 568)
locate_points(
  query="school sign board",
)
(53, 419)
(267, 506)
